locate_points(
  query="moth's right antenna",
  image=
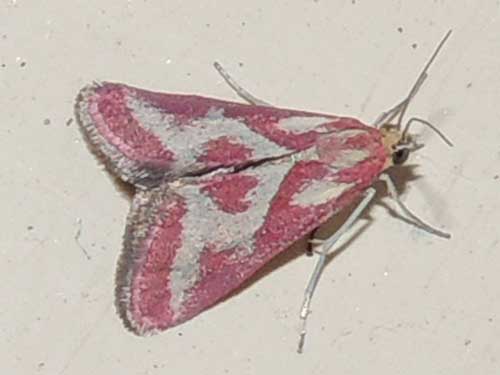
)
(400, 109)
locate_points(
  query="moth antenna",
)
(400, 110)
(427, 123)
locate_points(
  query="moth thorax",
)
(346, 148)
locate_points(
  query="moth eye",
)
(400, 156)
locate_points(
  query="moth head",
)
(399, 144)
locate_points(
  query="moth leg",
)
(325, 248)
(242, 93)
(414, 218)
(428, 124)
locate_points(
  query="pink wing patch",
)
(225, 152)
(229, 192)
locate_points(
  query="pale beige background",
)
(397, 301)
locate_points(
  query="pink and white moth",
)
(223, 187)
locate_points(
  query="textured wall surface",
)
(397, 300)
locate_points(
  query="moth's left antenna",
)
(421, 78)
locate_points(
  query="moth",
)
(223, 187)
